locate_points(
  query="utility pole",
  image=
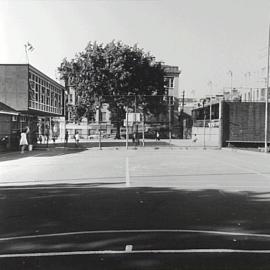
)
(266, 97)
(99, 128)
(183, 120)
(204, 118)
(136, 125)
(183, 100)
(210, 113)
(170, 116)
(127, 128)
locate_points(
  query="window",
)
(169, 82)
(262, 94)
(22, 119)
(48, 97)
(52, 98)
(70, 98)
(42, 94)
(36, 92)
(103, 116)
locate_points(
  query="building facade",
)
(169, 121)
(102, 119)
(38, 99)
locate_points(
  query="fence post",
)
(143, 129)
(127, 128)
(204, 130)
(220, 117)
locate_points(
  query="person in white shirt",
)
(77, 138)
(23, 140)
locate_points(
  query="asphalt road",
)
(135, 210)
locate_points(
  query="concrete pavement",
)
(194, 169)
(172, 208)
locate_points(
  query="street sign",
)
(132, 118)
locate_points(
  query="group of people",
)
(24, 140)
(76, 137)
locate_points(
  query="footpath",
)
(109, 144)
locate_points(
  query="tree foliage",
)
(117, 74)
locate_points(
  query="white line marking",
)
(136, 231)
(120, 252)
(251, 171)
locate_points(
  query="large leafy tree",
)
(117, 74)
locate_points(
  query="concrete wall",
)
(244, 122)
(176, 87)
(14, 86)
(211, 136)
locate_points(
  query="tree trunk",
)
(118, 125)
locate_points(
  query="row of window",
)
(44, 82)
(255, 95)
(44, 92)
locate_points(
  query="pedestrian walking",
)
(77, 138)
(47, 135)
(23, 140)
(40, 139)
(66, 137)
(157, 136)
(134, 138)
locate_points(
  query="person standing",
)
(157, 136)
(66, 137)
(77, 138)
(134, 138)
(23, 140)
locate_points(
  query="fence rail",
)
(206, 123)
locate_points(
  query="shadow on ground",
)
(61, 209)
(64, 149)
(50, 152)
(96, 207)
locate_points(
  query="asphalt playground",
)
(151, 208)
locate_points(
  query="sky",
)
(209, 40)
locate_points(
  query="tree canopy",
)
(117, 74)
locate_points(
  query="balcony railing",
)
(44, 108)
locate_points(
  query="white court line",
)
(136, 231)
(121, 252)
(251, 171)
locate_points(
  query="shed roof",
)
(5, 109)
